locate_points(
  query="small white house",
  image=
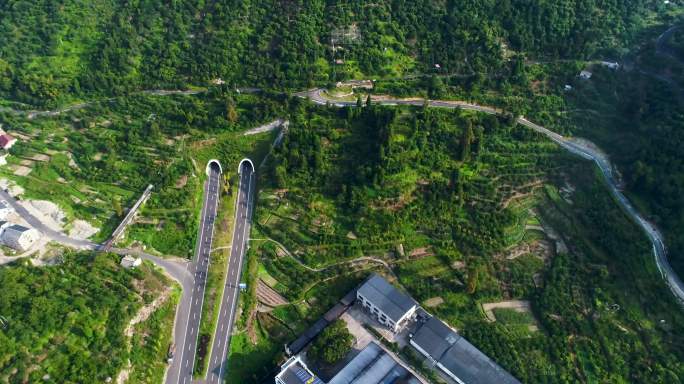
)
(585, 75)
(129, 261)
(3, 158)
(19, 237)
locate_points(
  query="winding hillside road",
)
(661, 43)
(576, 147)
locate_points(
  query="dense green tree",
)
(332, 344)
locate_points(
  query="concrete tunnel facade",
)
(215, 162)
(245, 160)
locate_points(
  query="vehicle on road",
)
(171, 353)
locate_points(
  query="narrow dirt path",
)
(321, 269)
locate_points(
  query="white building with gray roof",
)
(390, 306)
(19, 237)
(456, 357)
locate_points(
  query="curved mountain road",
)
(585, 151)
(661, 43)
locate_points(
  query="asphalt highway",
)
(218, 359)
(184, 359)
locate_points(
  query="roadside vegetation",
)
(151, 343)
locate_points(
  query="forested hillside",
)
(65, 323)
(471, 213)
(635, 115)
(464, 210)
(54, 49)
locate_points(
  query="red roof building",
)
(7, 141)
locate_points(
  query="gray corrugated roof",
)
(18, 228)
(435, 337)
(373, 366)
(388, 299)
(459, 356)
(474, 367)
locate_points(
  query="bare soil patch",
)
(47, 212)
(22, 170)
(434, 301)
(419, 253)
(540, 248)
(145, 312)
(203, 143)
(182, 181)
(82, 229)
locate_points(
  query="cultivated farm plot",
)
(268, 296)
(512, 313)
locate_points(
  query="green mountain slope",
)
(51, 50)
